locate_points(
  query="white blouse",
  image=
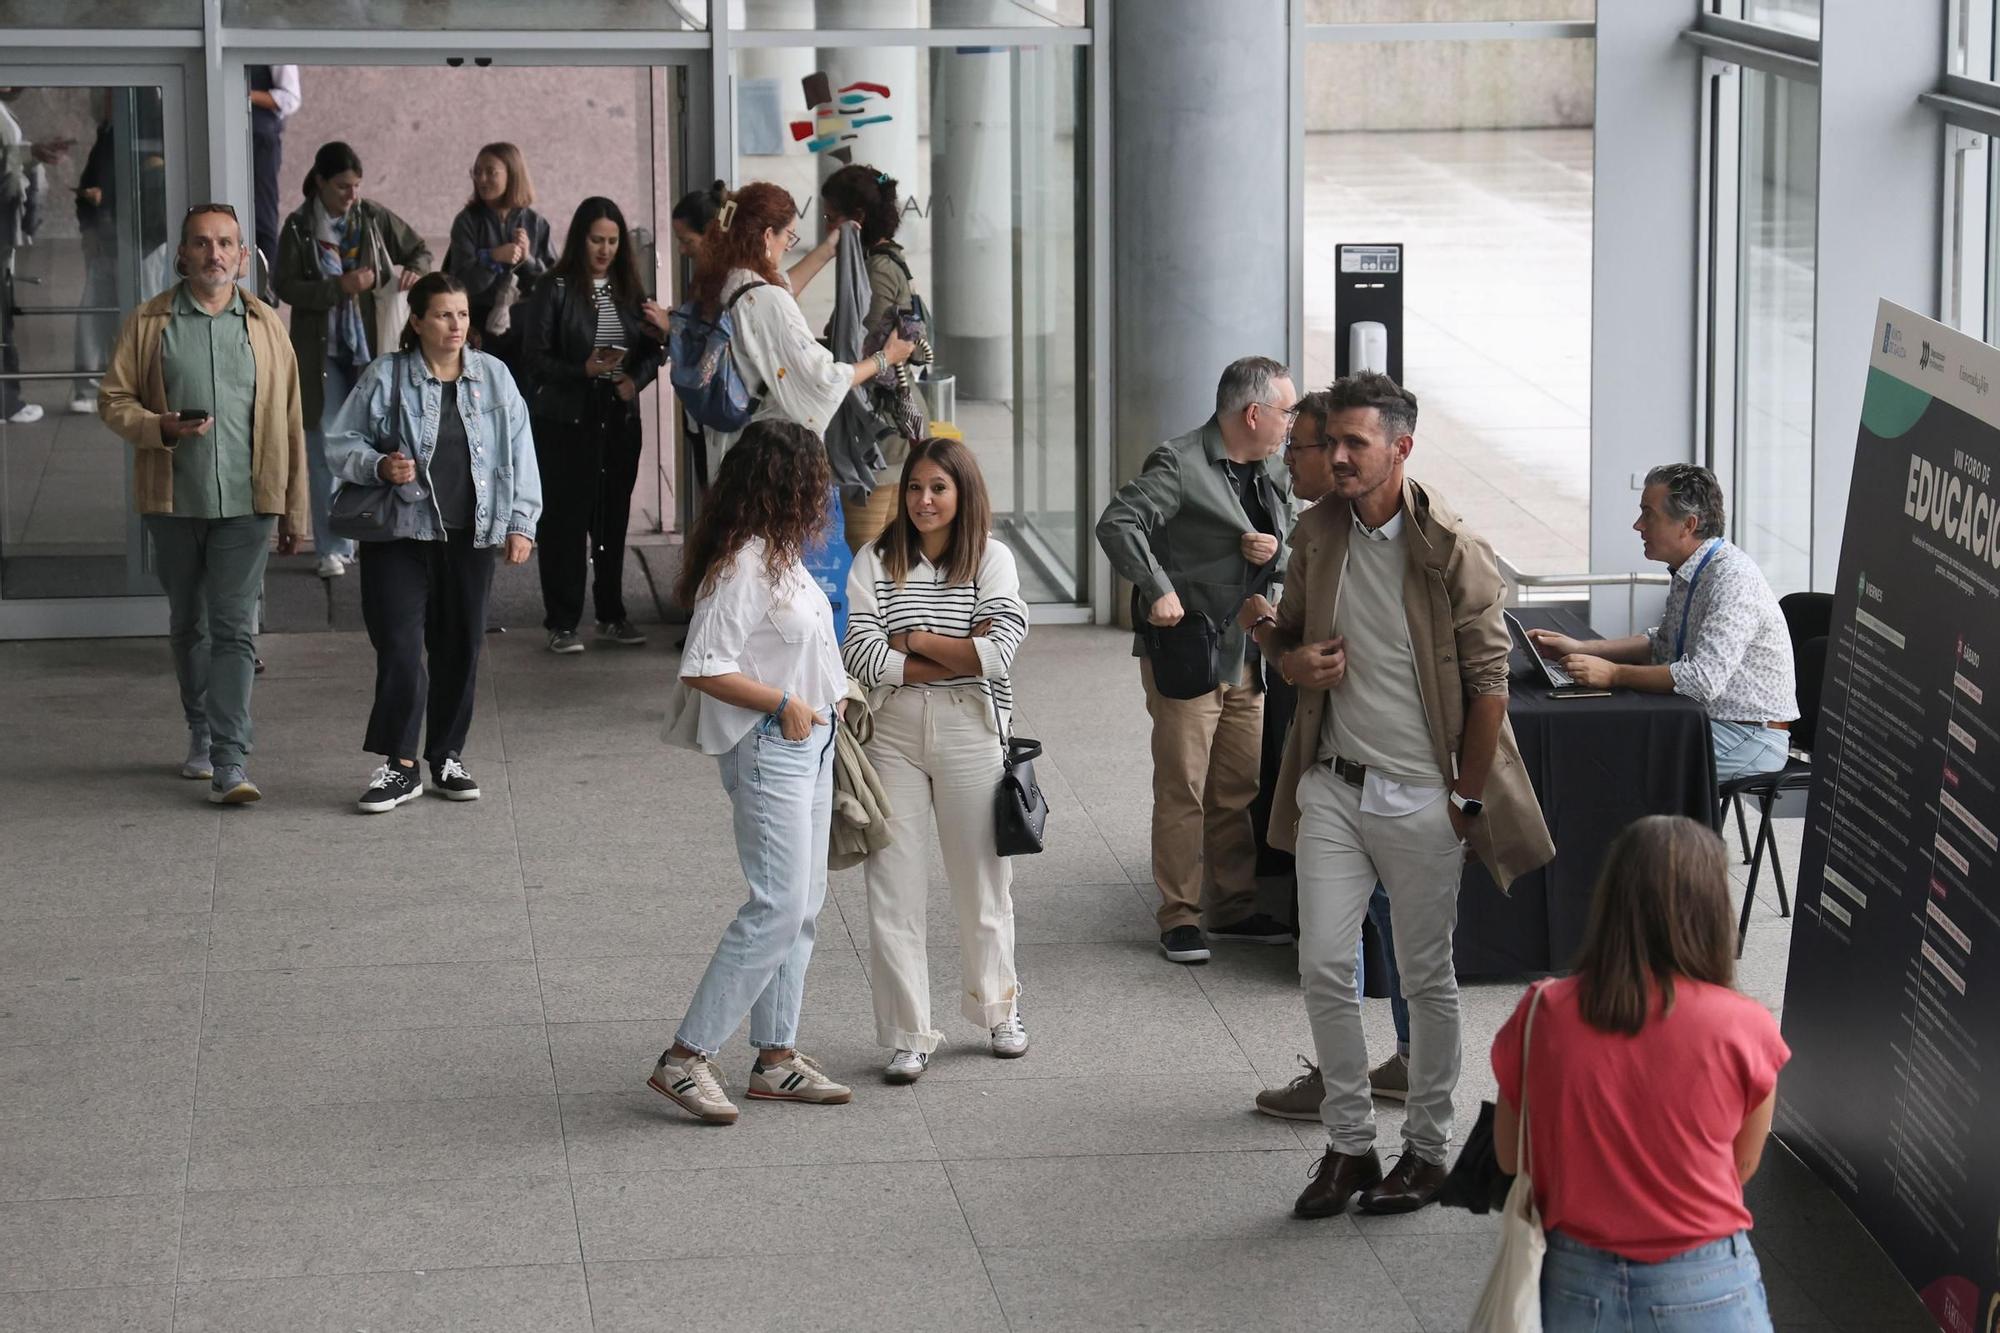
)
(779, 634)
(788, 369)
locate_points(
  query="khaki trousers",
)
(863, 523)
(1205, 764)
(936, 756)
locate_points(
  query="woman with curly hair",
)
(736, 268)
(761, 651)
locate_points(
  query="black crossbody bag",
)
(1020, 811)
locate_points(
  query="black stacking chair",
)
(1808, 615)
(1809, 661)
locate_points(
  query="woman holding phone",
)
(588, 352)
(444, 424)
(336, 252)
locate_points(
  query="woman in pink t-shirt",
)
(1650, 1091)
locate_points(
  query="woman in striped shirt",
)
(934, 619)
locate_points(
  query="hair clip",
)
(726, 216)
(881, 178)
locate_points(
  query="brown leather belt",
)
(1775, 726)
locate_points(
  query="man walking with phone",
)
(204, 385)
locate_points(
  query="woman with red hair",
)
(792, 374)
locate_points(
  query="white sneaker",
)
(82, 406)
(907, 1066)
(1010, 1037)
(799, 1079)
(692, 1085)
(27, 414)
(331, 566)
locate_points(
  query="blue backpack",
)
(703, 370)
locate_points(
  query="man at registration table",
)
(1400, 757)
(1722, 639)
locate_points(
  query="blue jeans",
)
(1743, 750)
(1715, 1288)
(340, 378)
(782, 792)
(1399, 1009)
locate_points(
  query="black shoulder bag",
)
(367, 513)
(1020, 811)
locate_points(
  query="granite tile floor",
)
(289, 1067)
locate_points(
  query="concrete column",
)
(972, 216)
(1200, 163)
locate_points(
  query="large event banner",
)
(1892, 1004)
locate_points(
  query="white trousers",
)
(934, 750)
(1418, 858)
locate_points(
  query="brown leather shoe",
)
(1334, 1180)
(1411, 1183)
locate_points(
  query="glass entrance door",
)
(90, 174)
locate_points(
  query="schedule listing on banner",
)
(1892, 1004)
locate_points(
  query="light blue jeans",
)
(1742, 750)
(1714, 1288)
(340, 378)
(1399, 1008)
(782, 792)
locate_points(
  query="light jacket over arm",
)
(1138, 510)
(360, 432)
(519, 451)
(119, 393)
(1478, 625)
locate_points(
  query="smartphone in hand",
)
(193, 416)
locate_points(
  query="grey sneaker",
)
(1297, 1100)
(232, 786)
(564, 641)
(1391, 1078)
(799, 1079)
(692, 1084)
(196, 764)
(620, 631)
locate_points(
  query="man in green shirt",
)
(204, 385)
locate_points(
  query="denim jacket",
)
(506, 482)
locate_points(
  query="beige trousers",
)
(935, 753)
(1205, 765)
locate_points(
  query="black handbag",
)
(368, 513)
(1186, 656)
(1020, 811)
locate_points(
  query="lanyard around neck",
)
(1680, 640)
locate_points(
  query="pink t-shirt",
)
(1632, 1139)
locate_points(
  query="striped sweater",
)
(878, 607)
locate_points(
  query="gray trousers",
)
(212, 570)
(1418, 858)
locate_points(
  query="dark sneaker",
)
(1254, 929)
(451, 781)
(390, 787)
(232, 786)
(1297, 1100)
(1391, 1078)
(620, 631)
(564, 641)
(1184, 944)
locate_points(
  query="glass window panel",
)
(1795, 16)
(100, 13)
(1972, 29)
(1445, 11)
(469, 15)
(1476, 157)
(890, 15)
(1771, 501)
(985, 145)
(67, 525)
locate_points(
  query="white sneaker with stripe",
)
(799, 1079)
(692, 1084)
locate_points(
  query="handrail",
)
(51, 374)
(1631, 581)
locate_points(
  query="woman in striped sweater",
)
(934, 619)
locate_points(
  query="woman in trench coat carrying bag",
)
(1650, 1089)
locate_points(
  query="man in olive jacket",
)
(203, 385)
(1200, 528)
(1400, 758)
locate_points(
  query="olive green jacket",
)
(310, 293)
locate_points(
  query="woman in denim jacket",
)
(463, 459)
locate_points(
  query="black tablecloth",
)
(1597, 765)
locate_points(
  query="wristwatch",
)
(1469, 806)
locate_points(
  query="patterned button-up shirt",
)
(1737, 658)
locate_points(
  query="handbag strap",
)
(1521, 1145)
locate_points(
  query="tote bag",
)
(1511, 1301)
